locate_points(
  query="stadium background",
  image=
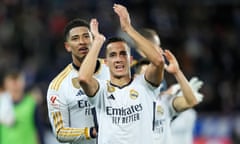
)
(204, 35)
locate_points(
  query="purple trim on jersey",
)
(153, 123)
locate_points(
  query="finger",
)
(199, 84)
(165, 66)
(94, 26)
(168, 55)
(193, 80)
(198, 96)
(117, 9)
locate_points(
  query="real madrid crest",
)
(133, 94)
(75, 83)
(160, 109)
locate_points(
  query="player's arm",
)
(188, 99)
(154, 72)
(59, 119)
(87, 81)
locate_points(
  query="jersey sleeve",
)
(98, 99)
(59, 119)
(169, 101)
(143, 80)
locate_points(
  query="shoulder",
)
(58, 80)
(140, 80)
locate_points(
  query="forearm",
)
(67, 134)
(88, 66)
(74, 134)
(186, 89)
(154, 75)
(148, 48)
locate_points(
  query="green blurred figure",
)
(23, 130)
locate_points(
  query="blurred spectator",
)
(27, 127)
(7, 116)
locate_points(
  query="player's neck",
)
(120, 81)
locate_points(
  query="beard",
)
(80, 59)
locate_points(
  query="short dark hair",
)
(13, 73)
(77, 22)
(112, 40)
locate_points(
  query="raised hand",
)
(173, 66)
(94, 29)
(123, 15)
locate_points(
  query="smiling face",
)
(118, 59)
(78, 42)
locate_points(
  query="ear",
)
(105, 61)
(67, 47)
(131, 60)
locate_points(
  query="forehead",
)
(79, 31)
(117, 46)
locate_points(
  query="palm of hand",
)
(94, 27)
(171, 68)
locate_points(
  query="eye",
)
(86, 36)
(112, 54)
(123, 53)
(74, 38)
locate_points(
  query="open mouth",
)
(83, 49)
(119, 67)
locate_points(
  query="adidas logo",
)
(80, 92)
(111, 97)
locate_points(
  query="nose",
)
(82, 40)
(119, 59)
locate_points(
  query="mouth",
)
(119, 67)
(83, 50)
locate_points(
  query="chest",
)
(162, 110)
(126, 97)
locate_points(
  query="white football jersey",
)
(182, 127)
(164, 112)
(125, 113)
(69, 110)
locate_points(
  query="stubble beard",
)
(80, 59)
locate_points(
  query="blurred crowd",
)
(204, 35)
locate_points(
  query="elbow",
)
(159, 62)
(193, 103)
(59, 137)
(82, 79)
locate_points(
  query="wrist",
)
(99, 38)
(177, 73)
(92, 132)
